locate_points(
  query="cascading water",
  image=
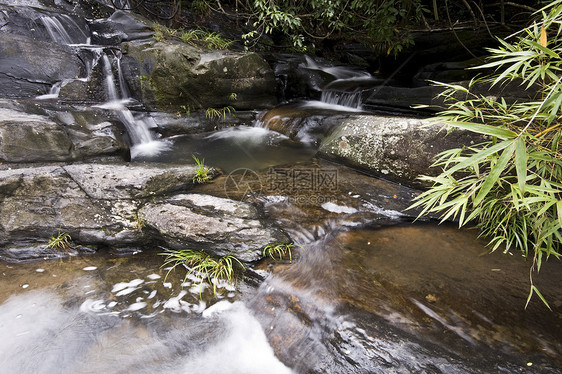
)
(347, 88)
(59, 34)
(143, 142)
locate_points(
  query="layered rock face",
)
(75, 81)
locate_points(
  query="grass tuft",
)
(279, 251)
(201, 172)
(207, 267)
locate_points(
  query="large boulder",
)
(30, 137)
(44, 22)
(217, 225)
(119, 27)
(395, 148)
(30, 132)
(176, 76)
(29, 67)
(97, 204)
(120, 206)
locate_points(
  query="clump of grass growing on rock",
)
(226, 268)
(60, 241)
(279, 251)
(201, 171)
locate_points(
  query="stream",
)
(368, 289)
(405, 298)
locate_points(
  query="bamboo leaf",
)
(486, 129)
(495, 173)
(478, 157)
(536, 290)
(521, 162)
(559, 212)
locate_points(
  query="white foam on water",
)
(335, 208)
(136, 306)
(243, 346)
(150, 149)
(176, 304)
(327, 106)
(245, 136)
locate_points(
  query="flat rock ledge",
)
(217, 225)
(121, 206)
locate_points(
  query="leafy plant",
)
(206, 39)
(303, 23)
(279, 250)
(186, 109)
(216, 114)
(201, 171)
(205, 266)
(138, 222)
(511, 184)
(200, 7)
(60, 241)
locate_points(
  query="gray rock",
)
(108, 181)
(175, 75)
(29, 68)
(109, 204)
(29, 137)
(32, 132)
(121, 26)
(395, 148)
(96, 204)
(218, 226)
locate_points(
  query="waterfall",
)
(351, 99)
(53, 92)
(64, 30)
(110, 86)
(56, 30)
(59, 33)
(143, 141)
(347, 87)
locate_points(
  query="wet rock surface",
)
(395, 148)
(217, 225)
(179, 76)
(42, 132)
(112, 204)
(95, 204)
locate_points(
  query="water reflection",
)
(232, 148)
(402, 299)
(118, 315)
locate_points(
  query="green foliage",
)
(60, 241)
(205, 266)
(205, 39)
(198, 37)
(201, 171)
(319, 19)
(200, 7)
(216, 114)
(186, 109)
(511, 184)
(279, 251)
